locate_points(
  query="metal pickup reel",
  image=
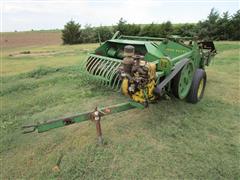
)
(103, 70)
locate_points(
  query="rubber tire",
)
(193, 92)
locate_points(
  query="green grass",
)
(52, 56)
(169, 140)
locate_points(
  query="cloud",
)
(47, 14)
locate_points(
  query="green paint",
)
(103, 66)
(185, 80)
(57, 123)
(164, 52)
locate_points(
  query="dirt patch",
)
(23, 39)
(30, 53)
(39, 53)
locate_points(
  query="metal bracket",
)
(178, 67)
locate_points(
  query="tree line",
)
(215, 27)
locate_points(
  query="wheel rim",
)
(185, 80)
(200, 88)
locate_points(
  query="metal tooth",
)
(112, 78)
(118, 83)
(101, 66)
(104, 81)
(89, 61)
(115, 68)
(111, 66)
(93, 66)
(88, 66)
(111, 75)
(115, 80)
(107, 80)
(108, 70)
(101, 69)
(97, 68)
(101, 73)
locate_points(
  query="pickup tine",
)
(102, 70)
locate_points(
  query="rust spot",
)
(107, 110)
(68, 121)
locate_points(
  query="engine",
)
(138, 76)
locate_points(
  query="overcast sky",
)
(23, 15)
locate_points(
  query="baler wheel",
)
(198, 86)
(182, 81)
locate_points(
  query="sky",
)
(23, 15)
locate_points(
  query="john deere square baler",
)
(143, 69)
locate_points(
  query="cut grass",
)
(64, 56)
(169, 140)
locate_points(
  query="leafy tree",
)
(88, 34)
(213, 16)
(121, 26)
(71, 33)
(218, 27)
(104, 32)
(215, 27)
(151, 30)
(184, 29)
(157, 30)
(234, 26)
(127, 29)
(166, 29)
(132, 29)
(223, 27)
(145, 31)
(208, 29)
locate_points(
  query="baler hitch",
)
(94, 116)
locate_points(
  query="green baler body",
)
(164, 52)
(155, 50)
(103, 64)
(151, 51)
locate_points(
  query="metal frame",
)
(61, 122)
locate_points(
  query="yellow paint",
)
(152, 70)
(139, 95)
(164, 63)
(151, 87)
(124, 86)
(200, 88)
